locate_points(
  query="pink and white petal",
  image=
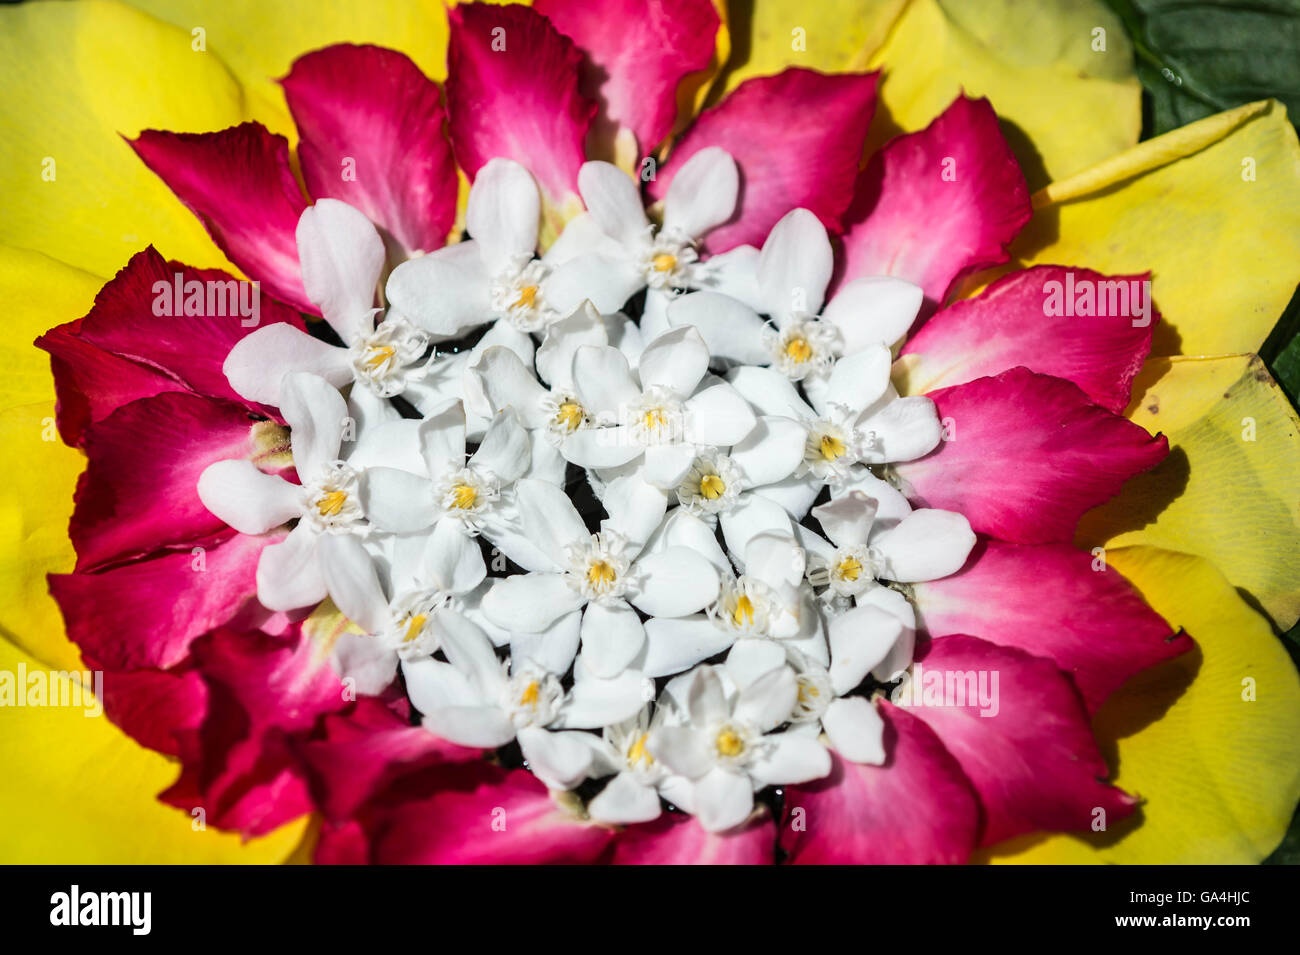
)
(390, 126)
(666, 465)
(289, 575)
(815, 170)
(249, 500)
(918, 808)
(614, 201)
(926, 545)
(148, 612)
(873, 309)
(1029, 455)
(718, 415)
(857, 381)
(239, 183)
(549, 518)
(722, 799)
(255, 366)
(673, 583)
(603, 379)
(679, 839)
(904, 429)
(770, 452)
(502, 214)
(533, 80)
(635, 509)
(625, 800)
(675, 644)
(444, 292)
(561, 760)
(702, 193)
(792, 760)
(612, 637)
(855, 730)
(352, 581)
(530, 602)
(751, 516)
(859, 640)
(341, 256)
(1006, 324)
(397, 501)
(730, 329)
(795, 267)
(1029, 754)
(316, 414)
(937, 204)
(675, 360)
(1053, 601)
(601, 447)
(770, 392)
(635, 74)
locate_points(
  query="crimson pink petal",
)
(147, 613)
(797, 138)
(677, 839)
(1025, 455)
(1053, 601)
(937, 204)
(634, 74)
(371, 134)
(1008, 325)
(916, 809)
(239, 183)
(512, 92)
(1030, 755)
(155, 707)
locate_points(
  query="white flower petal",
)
(856, 730)
(794, 494)
(873, 309)
(552, 649)
(583, 326)
(730, 329)
(683, 749)
(502, 213)
(607, 282)
(393, 444)
(365, 661)
(433, 685)
(561, 760)
(249, 500)
(723, 800)
(601, 447)
(857, 380)
(594, 702)
(859, 640)
(926, 545)
(582, 235)
(397, 501)
(470, 651)
(770, 452)
(673, 583)
(527, 603)
(624, 801)
(452, 560)
(770, 392)
(316, 414)
(683, 529)
(666, 465)
(442, 438)
(768, 701)
(793, 759)
(288, 573)
(675, 644)
(795, 267)
(549, 518)
(751, 658)
(703, 193)
(718, 415)
(891, 505)
(905, 429)
(352, 582)
(612, 636)
(847, 520)
(735, 273)
(753, 515)
(603, 379)
(485, 727)
(676, 360)
(635, 509)
(444, 292)
(341, 255)
(613, 200)
(258, 361)
(505, 382)
(505, 451)
(899, 657)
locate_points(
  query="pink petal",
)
(634, 73)
(797, 137)
(1007, 325)
(138, 492)
(1050, 600)
(933, 205)
(148, 612)
(238, 182)
(916, 809)
(156, 707)
(374, 107)
(1026, 455)
(1033, 763)
(512, 92)
(366, 750)
(677, 839)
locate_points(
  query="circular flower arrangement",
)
(668, 514)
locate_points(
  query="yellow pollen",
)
(527, 297)
(380, 354)
(600, 574)
(655, 418)
(664, 262)
(743, 614)
(413, 626)
(832, 447)
(729, 743)
(463, 496)
(798, 350)
(530, 694)
(570, 414)
(712, 486)
(807, 690)
(850, 568)
(638, 753)
(329, 505)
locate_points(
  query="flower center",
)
(331, 503)
(798, 350)
(527, 297)
(464, 496)
(598, 568)
(742, 615)
(570, 415)
(664, 262)
(377, 355)
(414, 627)
(729, 743)
(712, 486)
(530, 695)
(637, 753)
(850, 568)
(832, 447)
(601, 575)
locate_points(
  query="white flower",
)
(726, 747)
(632, 795)
(608, 573)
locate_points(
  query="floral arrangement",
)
(612, 466)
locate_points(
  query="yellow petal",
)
(259, 40)
(834, 36)
(1064, 104)
(1227, 491)
(78, 77)
(1219, 772)
(85, 794)
(1211, 209)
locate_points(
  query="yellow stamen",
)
(743, 614)
(638, 753)
(729, 743)
(798, 350)
(329, 505)
(664, 262)
(712, 486)
(850, 568)
(807, 690)
(527, 297)
(530, 694)
(832, 447)
(655, 419)
(413, 626)
(600, 574)
(380, 354)
(570, 414)
(463, 496)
